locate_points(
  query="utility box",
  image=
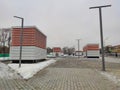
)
(91, 51)
(33, 44)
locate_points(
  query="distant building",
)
(112, 49)
(57, 51)
(91, 51)
(33, 46)
(116, 49)
(108, 49)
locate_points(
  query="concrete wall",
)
(28, 53)
(91, 53)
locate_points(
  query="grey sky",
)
(64, 21)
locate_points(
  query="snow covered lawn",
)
(28, 70)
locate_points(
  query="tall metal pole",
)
(78, 47)
(21, 39)
(101, 33)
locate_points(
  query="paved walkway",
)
(66, 74)
(71, 77)
(14, 84)
(9, 80)
(112, 59)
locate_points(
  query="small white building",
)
(57, 51)
(91, 51)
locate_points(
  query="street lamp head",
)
(17, 17)
(100, 6)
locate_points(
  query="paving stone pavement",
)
(14, 84)
(9, 80)
(70, 78)
(65, 74)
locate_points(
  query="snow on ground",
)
(112, 59)
(4, 58)
(6, 72)
(111, 77)
(28, 70)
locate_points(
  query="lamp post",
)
(101, 32)
(78, 47)
(21, 38)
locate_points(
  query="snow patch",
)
(6, 72)
(28, 70)
(4, 58)
(111, 77)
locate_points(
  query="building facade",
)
(33, 44)
(91, 51)
(57, 51)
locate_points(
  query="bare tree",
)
(49, 50)
(68, 50)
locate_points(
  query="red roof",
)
(91, 47)
(56, 49)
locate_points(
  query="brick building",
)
(33, 45)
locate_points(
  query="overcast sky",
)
(64, 21)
